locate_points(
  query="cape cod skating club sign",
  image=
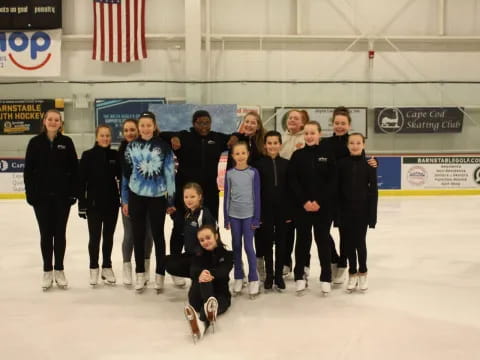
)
(393, 120)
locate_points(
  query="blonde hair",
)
(259, 133)
(44, 129)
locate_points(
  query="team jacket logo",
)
(322, 159)
(61, 147)
(210, 142)
(18, 42)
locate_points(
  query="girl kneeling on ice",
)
(209, 294)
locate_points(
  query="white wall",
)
(285, 40)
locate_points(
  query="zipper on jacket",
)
(275, 182)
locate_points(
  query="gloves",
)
(82, 213)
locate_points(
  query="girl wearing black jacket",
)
(51, 167)
(357, 204)
(313, 181)
(209, 294)
(99, 200)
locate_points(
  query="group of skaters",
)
(275, 187)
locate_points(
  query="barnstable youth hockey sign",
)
(30, 14)
(393, 120)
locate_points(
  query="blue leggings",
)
(243, 228)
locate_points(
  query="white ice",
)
(423, 301)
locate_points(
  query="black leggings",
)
(273, 231)
(139, 207)
(101, 222)
(354, 236)
(52, 217)
(199, 294)
(178, 265)
(289, 244)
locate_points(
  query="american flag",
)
(119, 30)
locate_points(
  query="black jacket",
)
(50, 169)
(198, 156)
(99, 175)
(357, 190)
(275, 195)
(193, 221)
(338, 145)
(219, 262)
(312, 176)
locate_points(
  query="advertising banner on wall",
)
(11, 176)
(323, 115)
(23, 117)
(389, 172)
(416, 120)
(441, 172)
(30, 53)
(30, 14)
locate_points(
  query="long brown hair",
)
(44, 129)
(259, 133)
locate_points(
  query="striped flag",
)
(119, 30)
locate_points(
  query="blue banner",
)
(389, 172)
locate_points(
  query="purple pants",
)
(243, 228)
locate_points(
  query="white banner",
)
(30, 53)
(441, 172)
(323, 115)
(11, 176)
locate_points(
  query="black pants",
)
(273, 229)
(340, 260)
(52, 217)
(260, 244)
(101, 222)
(354, 237)
(178, 265)
(210, 201)
(139, 208)
(321, 228)
(200, 292)
(289, 244)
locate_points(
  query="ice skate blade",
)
(63, 287)
(46, 288)
(139, 291)
(300, 293)
(277, 289)
(325, 294)
(108, 282)
(159, 291)
(253, 296)
(237, 293)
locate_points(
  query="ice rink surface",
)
(423, 300)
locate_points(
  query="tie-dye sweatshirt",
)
(149, 170)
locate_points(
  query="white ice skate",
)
(140, 282)
(147, 271)
(159, 283)
(306, 272)
(94, 276)
(300, 286)
(325, 286)
(197, 327)
(363, 282)
(179, 281)
(211, 308)
(108, 276)
(339, 277)
(237, 287)
(261, 268)
(60, 279)
(47, 280)
(352, 282)
(127, 273)
(253, 289)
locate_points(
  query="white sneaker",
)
(108, 276)
(261, 268)
(94, 276)
(352, 282)
(127, 273)
(339, 278)
(159, 282)
(140, 282)
(197, 327)
(178, 281)
(47, 280)
(325, 287)
(147, 270)
(60, 279)
(363, 282)
(286, 270)
(300, 286)
(253, 288)
(237, 286)
(211, 308)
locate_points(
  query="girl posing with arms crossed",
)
(99, 200)
(341, 121)
(148, 188)
(130, 133)
(313, 181)
(51, 167)
(358, 198)
(242, 214)
(275, 206)
(209, 294)
(196, 215)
